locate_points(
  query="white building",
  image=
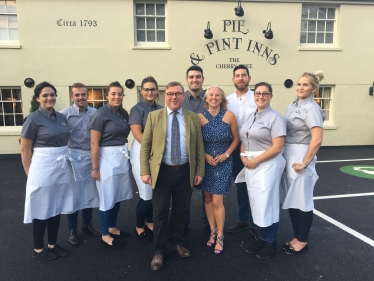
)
(97, 42)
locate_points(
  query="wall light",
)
(129, 83)
(208, 34)
(239, 10)
(29, 82)
(268, 32)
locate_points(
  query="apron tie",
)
(84, 155)
(64, 157)
(125, 151)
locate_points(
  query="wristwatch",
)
(227, 155)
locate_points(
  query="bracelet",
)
(253, 162)
(95, 170)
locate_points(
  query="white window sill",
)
(9, 46)
(10, 130)
(330, 127)
(150, 48)
(319, 49)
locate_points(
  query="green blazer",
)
(154, 140)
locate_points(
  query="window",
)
(150, 24)
(10, 107)
(161, 91)
(8, 22)
(318, 25)
(324, 100)
(96, 96)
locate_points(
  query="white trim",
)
(9, 46)
(346, 160)
(150, 48)
(320, 48)
(343, 196)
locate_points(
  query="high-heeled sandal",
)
(219, 241)
(213, 234)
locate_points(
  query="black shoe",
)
(267, 251)
(147, 229)
(254, 232)
(255, 247)
(117, 243)
(285, 246)
(73, 237)
(142, 236)
(121, 234)
(239, 226)
(45, 254)
(58, 250)
(90, 229)
(291, 251)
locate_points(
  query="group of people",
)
(78, 159)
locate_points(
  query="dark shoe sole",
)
(237, 231)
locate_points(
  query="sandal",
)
(213, 234)
(219, 241)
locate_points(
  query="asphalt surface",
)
(334, 254)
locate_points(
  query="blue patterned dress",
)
(217, 139)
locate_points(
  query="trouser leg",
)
(294, 215)
(144, 212)
(113, 215)
(86, 216)
(38, 230)
(53, 225)
(305, 223)
(73, 221)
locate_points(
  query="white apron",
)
(297, 189)
(115, 180)
(85, 194)
(263, 188)
(145, 190)
(48, 188)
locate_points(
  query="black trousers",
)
(144, 212)
(171, 183)
(301, 222)
(38, 229)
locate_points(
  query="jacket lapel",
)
(187, 122)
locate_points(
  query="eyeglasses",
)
(264, 94)
(149, 89)
(178, 94)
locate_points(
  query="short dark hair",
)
(77, 86)
(195, 68)
(172, 84)
(264, 84)
(149, 79)
(41, 86)
(241, 66)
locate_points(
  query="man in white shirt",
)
(241, 103)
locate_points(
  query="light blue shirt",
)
(78, 121)
(182, 130)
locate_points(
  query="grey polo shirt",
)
(258, 135)
(195, 105)
(46, 129)
(78, 121)
(113, 127)
(140, 111)
(301, 116)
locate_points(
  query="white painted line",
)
(343, 195)
(345, 228)
(349, 160)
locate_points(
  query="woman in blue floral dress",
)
(221, 137)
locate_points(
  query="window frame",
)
(329, 120)
(335, 38)
(91, 102)
(140, 44)
(2, 111)
(10, 43)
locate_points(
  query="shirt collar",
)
(170, 111)
(46, 113)
(113, 110)
(262, 112)
(243, 96)
(77, 109)
(201, 95)
(146, 104)
(303, 101)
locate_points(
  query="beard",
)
(242, 86)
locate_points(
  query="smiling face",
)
(149, 92)
(241, 79)
(262, 97)
(195, 81)
(79, 97)
(213, 97)
(174, 97)
(304, 88)
(47, 98)
(115, 97)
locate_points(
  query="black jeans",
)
(301, 222)
(172, 184)
(38, 229)
(86, 218)
(144, 212)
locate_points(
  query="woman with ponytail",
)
(110, 162)
(304, 119)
